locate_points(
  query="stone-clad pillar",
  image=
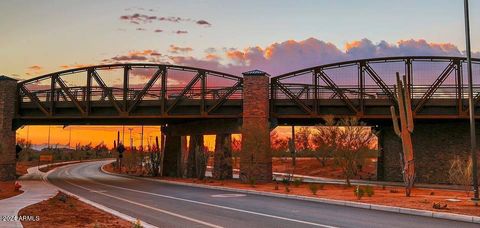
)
(195, 151)
(256, 157)
(172, 157)
(222, 160)
(8, 87)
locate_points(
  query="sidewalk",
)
(34, 190)
(325, 180)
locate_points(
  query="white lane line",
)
(149, 207)
(219, 206)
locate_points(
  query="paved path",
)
(167, 205)
(35, 190)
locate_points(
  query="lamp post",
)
(471, 105)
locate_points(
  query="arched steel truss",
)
(193, 100)
(353, 88)
(370, 95)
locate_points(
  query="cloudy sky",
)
(40, 37)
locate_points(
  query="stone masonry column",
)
(195, 153)
(256, 157)
(222, 159)
(8, 87)
(173, 155)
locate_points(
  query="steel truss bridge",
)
(363, 88)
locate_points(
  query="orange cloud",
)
(176, 49)
(34, 69)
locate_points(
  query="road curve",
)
(167, 205)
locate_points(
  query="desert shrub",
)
(63, 198)
(137, 224)
(297, 182)
(313, 188)
(369, 191)
(252, 181)
(358, 192)
(461, 173)
(286, 181)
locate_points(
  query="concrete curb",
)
(401, 210)
(101, 207)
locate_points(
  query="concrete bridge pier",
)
(8, 87)
(256, 157)
(435, 144)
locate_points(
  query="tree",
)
(302, 138)
(278, 144)
(324, 140)
(352, 144)
(26, 153)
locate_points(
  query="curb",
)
(98, 206)
(377, 207)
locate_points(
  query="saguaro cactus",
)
(404, 131)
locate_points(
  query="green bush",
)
(358, 192)
(369, 191)
(297, 182)
(313, 188)
(286, 181)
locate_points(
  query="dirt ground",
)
(390, 196)
(66, 211)
(312, 167)
(7, 189)
(22, 166)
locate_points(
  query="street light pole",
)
(471, 105)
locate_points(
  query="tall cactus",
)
(404, 131)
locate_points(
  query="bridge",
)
(194, 101)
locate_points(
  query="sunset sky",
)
(230, 36)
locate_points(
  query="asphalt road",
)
(166, 205)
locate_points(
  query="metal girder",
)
(336, 89)
(65, 89)
(376, 78)
(224, 97)
(293, 97)
(52, 95)
(126, 71)
(141, 94)
(185, 90)
(436, 84)
(34, 99)
(106, 90)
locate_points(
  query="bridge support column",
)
(435, 145)
(8, 96)
(173, 156)
(256, 157)
(222, 161)
(196, 157)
